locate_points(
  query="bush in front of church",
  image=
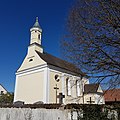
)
(6, 98)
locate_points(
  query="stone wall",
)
(60, 112)
(32, 114)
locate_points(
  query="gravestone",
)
(38, 102)
(18, 103)
(61, 96)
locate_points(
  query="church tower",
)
(31, 84)
(36, 32)
(35, 38)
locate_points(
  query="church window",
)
(78, 90)
(57, 78)
(68, 86)
(30, 60)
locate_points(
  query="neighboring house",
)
(42, 77)
(112, 96)
(2, 90)
(93, 94)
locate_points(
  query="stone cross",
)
(61, 96)
(56, 88)
(90, 101)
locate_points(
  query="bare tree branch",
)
(93, 40)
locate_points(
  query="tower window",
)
(38, 36)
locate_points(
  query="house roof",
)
(112, 95)
(52, 60)
(3, 87)
(91, 88)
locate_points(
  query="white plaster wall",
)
(30, 87)
(37, 61)
(52, 84)
(73, 98)
(100, 89)
(34, 36)
(98, 99)
(87, 98)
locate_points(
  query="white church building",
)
(43, 77)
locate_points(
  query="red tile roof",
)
(112, 95)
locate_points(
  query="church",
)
(47, 79)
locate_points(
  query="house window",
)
(2, 93)
(68, 86)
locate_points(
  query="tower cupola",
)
(36, 32)
(35, 38)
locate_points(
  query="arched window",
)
(68, 86)
(78, 89)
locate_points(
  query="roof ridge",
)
(93, 84)
(60, 59)
(58, 62)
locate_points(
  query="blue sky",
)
(16, 19)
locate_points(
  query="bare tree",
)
(93, 39)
